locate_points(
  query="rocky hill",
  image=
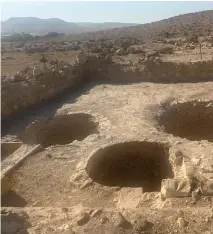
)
(199, 23)
(43, 26)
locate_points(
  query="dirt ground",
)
(17, 61)
(43, 188)
(13, 61)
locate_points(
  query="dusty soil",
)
(124, 113)
(17, 61)
(13, 61)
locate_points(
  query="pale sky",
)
(130, 12)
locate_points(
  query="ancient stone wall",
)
(154, 70)
(34, 85)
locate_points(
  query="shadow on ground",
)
(12, 222)
(12, 199)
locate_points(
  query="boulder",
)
(120, 221)
(120, 52)
(207, 187)
(83, 218)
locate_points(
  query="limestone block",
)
(175, 188)
(129, 198)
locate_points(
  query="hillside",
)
(199, 23)
(43, 26)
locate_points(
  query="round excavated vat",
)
(131, 164)
(60, 130)
(191, 120)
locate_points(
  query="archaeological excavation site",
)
(117, 140)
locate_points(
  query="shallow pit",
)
(60, 130)
(131, 164)
(191, 120)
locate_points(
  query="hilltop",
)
(43, 26)
(198, 23)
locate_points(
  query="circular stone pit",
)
(131, 164)
(192, 120)
(60, 130)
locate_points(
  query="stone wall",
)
(154, 70)
(34, 85)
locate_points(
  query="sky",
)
(77, 11)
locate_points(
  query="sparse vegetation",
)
(20, 37)
(54, 34)
(199, 23)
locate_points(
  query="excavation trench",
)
(60, 130)
(131, 164)
(191, 120)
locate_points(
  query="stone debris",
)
(137, 219)
(207, 187)
(83, 218)
(142, 224)
(67, 232)
(179, 158)
(196, 195)
(31, 231)
(96, 212)
(86, 183)
(104, 220)
(65, 229)
(120, 52)
(175, 188)
(181, 222)
(120, 221)
(129, 198)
